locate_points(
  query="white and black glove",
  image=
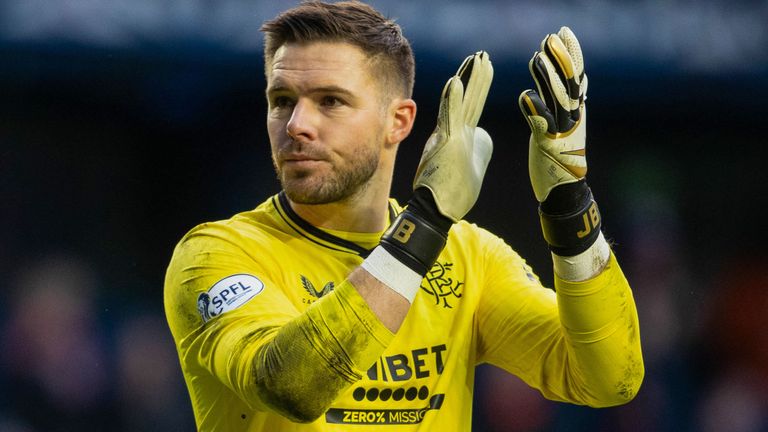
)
(557, 116)
(457, 153)
(447, 181)
(451, 170)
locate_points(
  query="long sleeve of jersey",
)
(271, 355)
(579, 343)
(313, 357)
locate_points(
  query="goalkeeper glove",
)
(447, 181)
(557, 163)
(452, 165)
(457, 153)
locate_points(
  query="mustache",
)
(296, 148)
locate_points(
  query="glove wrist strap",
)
(410, 246)
(576, 225)
(418, 234)
(414, 241)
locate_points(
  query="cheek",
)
(275, 131)
(366, 132)
(273, 127)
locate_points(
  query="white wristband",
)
(585, 265)
(392, 273)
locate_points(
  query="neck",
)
(351, 215)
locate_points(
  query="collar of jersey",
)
(349, 242)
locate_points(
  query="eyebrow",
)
(322, 89)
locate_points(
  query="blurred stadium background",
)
(123, 123)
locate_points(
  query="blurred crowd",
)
(72, 361)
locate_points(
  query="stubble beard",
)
(340, 184)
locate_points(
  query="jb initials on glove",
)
(557, 116)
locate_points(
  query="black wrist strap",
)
(571, 232)
(415, 240)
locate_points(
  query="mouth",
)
(304, 163)
(300, 162)
(300, 157)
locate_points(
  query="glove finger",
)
(449, 117)
(465, 65)
(476, 74)
(573, 47)
(532, 106)
(540, 79)
(557, 52)
(552, 90)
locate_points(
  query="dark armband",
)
(418, 234)
(570, 219)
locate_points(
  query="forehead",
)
(337, 62)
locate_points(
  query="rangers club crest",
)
(440, 285)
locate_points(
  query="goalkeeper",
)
(332, 307)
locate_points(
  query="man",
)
(331, 307)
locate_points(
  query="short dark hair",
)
(354, 22)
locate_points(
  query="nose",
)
(301, 125)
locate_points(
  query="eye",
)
(331, 101)
(282, 102)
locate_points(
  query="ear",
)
(402, 113)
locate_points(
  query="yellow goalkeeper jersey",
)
(231, 283)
